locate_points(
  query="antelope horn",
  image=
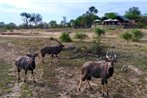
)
(29, 51)
(58, 42)
(107, 55)
(115, 55)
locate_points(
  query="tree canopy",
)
(111, 15)
(35, 18)
(133, 13)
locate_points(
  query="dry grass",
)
(61, 79)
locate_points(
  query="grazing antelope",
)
(26, 63)
(98, 69)
(53, 50)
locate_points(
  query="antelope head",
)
(111, 58)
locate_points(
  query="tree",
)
(53, 24)
(2, 24)
(142, 22)
(133, 13)
(127, 36)
(111, 15)
(26, 18)
(92, 11)
(85, 20)
(11, 26)
(35, 18)
(72, 23)
(99, 32)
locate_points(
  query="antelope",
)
(98, 69)
(26, 63)
(53, 50)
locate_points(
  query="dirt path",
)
(22, 36)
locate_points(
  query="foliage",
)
(65, 37)
(35, 18)
(85, 20)
(11, 26)
(142, 22)
(137, 34)
(99, 32)
(127, 36)
(26, 17)
(133, 13)
(80, 36)
(63, 22)
(92, 10)
(29, 18)
(111, 15)
(134, 35)
(53, 24)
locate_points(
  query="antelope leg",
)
(79, 88)
(103, 89)
(33, 77)
(106, 89)
(25, 76)
(89, 84)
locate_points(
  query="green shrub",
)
(99, 32)
(127, 36)
(137, 34)
(80, 36)
(65, 37)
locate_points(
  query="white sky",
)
(56, 9)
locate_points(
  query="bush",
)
(127, 36)
(137, 34)
(80, 36)
(99, 32)
(65, 37)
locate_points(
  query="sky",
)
(10, 10)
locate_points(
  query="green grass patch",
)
(6, 81)
(26, 91)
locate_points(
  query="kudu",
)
(26, 63)
(53, 50)
(98, 69)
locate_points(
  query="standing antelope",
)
(53, 50)
(26, 63)
(98, 69)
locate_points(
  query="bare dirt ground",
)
(60, 80)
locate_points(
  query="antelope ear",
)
(35, 54)
(29, 54)
(107, 59)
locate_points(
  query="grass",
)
(63, 77)
(26, 91)
(6, 80)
